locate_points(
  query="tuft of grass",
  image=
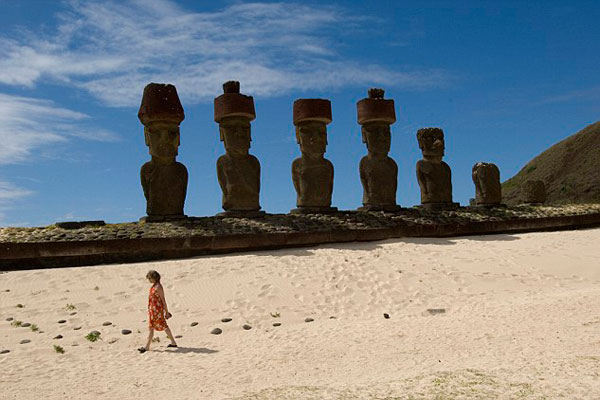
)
(275, 315)
(59, 349)
(93, 336)
(16, 323)
(34, 328)
(156, 340)
(70, 307)
(20, 305)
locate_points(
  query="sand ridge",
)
(521, 317)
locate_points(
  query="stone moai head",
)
(486, 177)
(534, 192)
(375, 115)
(161, 113)
(311, 117)
(431, 143)
(234, 112)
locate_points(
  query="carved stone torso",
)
(313, 180)
(435, 180)
(239, 178)
(488, 190)
(380, 180)
(164, 187)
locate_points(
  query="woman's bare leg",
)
(170, 336)
(150, 336)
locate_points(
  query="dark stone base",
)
(384, 208)
(488, 206)
(438, 206)
(241, 214)
(79, 224)
(314, 210)
(162, 218)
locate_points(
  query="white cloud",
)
(113, 48)
(27, 124)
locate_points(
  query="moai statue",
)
(164, 180)
(533, 192)
(433, 174)
(237, 170)
(312, 174)
(488, 191)
(378, 172)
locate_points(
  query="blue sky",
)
(505, 80)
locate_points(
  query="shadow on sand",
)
(185, 350)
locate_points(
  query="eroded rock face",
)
(163, 179)
(486, 177)
(312, 173)
(433, 174)
(534, 192)
(378, 172)
(238, 171)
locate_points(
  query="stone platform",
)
(53, 246)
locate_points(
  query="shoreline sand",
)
(521, 320)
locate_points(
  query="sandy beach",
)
(502, 316)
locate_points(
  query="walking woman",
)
(158, 312)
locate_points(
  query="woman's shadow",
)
(184, 350)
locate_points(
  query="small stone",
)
(178, 337)
(113, 340)
(25, 341)
(62, 321)
(193, 324)
(75, 344)
(332, 317)
(434, 311)
(276, 323)
(107, 323)
(9, 318)
(225, 319)
(216, 331)
(247, 327)
(7, 290)
(58, 337)
(74, 313)
(125, 331)
(386, 315)
(25, 325)
(308, 319)
(77, 328)
(4, 351)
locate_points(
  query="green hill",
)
(570, 169)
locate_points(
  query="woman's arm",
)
(161, 294)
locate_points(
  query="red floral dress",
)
(156, 311)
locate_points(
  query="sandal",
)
(172, 345)
(142, 350)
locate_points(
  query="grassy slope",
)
(570, 169)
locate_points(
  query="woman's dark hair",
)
(153, 276)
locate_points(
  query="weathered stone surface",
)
(534, 192)
(312, 173)
(79, 224)
(486, 177)
(51, 247)
(238, 171)
(378, 171)
(433, 174)
(163, 179)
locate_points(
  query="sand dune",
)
(511, 316)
